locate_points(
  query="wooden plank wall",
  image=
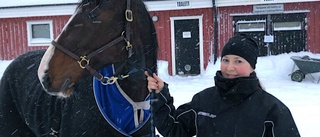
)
(313, 22)
(313, 19)
(13, 35)
(13, 31)
(163, 29)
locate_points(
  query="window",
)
(250, 26)
(286, 26)
(40, 33)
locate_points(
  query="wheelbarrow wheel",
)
(297, 76)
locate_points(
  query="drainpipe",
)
(215, 31)
(268, 33)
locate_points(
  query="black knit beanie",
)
(243, 46)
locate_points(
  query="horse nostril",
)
(46, 82)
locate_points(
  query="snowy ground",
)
(302, 98)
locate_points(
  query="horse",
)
(63, 91)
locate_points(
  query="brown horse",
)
(99, 33)
(117, 34)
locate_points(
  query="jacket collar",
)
(237, 89)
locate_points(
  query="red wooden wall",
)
(13, 31)
(313, 22)
(13, 34)
(163, 29)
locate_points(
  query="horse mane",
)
(150, 49)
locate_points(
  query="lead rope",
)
(153, 131)
(129, 18)
(152, 100)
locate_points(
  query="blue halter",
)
(117, 108)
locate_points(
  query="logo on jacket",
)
(206, 114)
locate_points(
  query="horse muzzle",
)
(65, 90)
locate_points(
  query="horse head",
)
(99, 32)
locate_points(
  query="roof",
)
(158, 4)
(25, 3)
(32, 8)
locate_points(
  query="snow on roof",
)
(18, 3)
(33, 8)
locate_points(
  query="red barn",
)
(30, 24)
(191, 33)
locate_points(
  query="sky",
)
(302, 98)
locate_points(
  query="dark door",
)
(289, 33)
(187, 54)
(254, 26)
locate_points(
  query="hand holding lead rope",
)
(149, 75)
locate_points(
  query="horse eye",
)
(92, 15)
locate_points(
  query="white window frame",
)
(39, 41)
(263, 22)
(287, 28)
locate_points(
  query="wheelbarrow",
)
(306, 66)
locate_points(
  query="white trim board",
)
(173, 55)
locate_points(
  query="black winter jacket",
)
(233, 108)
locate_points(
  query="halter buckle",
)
(129, 16)
(83, 62)
(109, 81)
(129, 46)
